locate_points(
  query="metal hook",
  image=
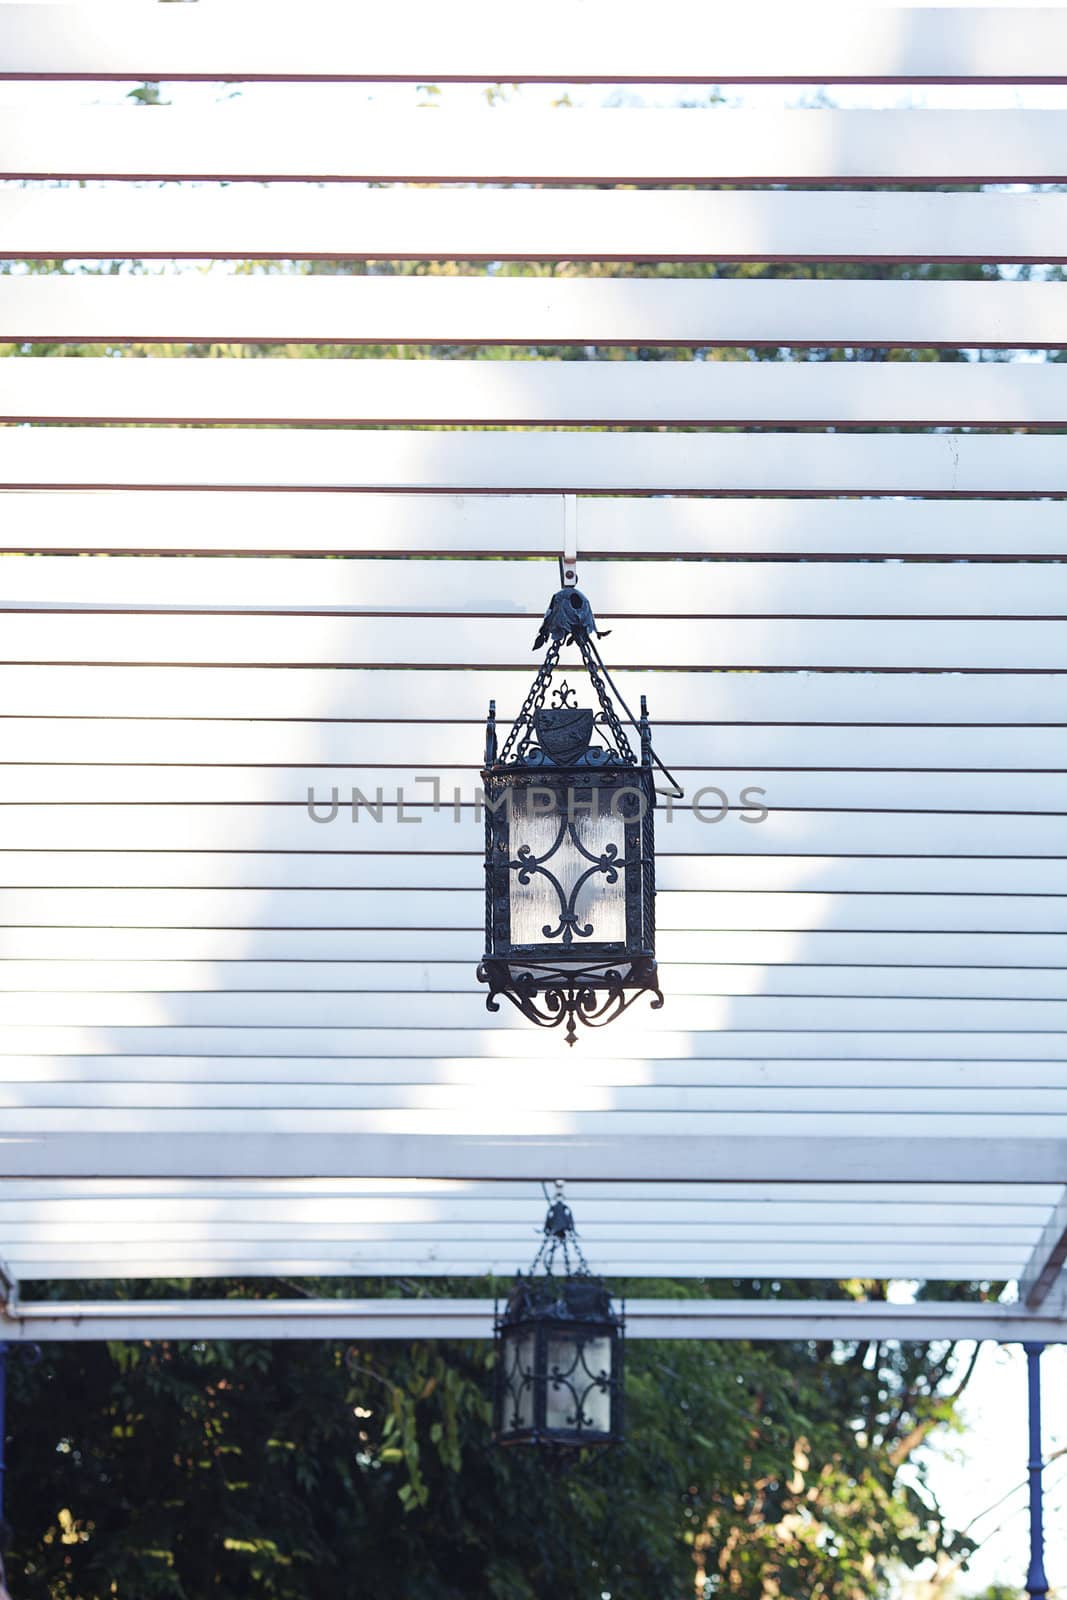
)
(568, 566)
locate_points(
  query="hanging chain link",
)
(534, 700)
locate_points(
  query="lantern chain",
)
(535, 699)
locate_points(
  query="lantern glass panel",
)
(577, 1395)
(568, 888)
(518, 1381)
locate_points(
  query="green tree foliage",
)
(180, 1471)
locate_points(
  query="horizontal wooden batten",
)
(561, 462)
(702, 145)
(818, 1262)
(739, 643)
(933, 1157)
(131, 827)
(827, 45)
(729, 1013)
(390, 224)
(347, 748)
(852, 1080)
(459, 909)
(384, 309)
(414, 524)
(408, 791)
(494, 1239)
(811, 394)
(997, 699)
(485, 1038)
(461, 869)
(438, 1318)
(630, 590)
(658, 1096)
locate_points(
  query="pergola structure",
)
(242, 1041)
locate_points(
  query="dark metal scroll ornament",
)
(554, 997)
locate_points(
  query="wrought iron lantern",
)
(559, 1346)
(570, 883)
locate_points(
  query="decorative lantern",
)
(559, 1347)
(570, 930)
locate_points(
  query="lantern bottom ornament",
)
(559, 1366)
(569, 846)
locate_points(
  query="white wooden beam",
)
(530, 224)
(455, 587)
(1002, 698)
(382, 309)
(560, 462)
(203, 826)
(482, 1038)
(312, 1318)
(415, 524)
(50, 389)
(865, 1157)
(463, 910)
(702, 1013)
(738, 644)
(633, 146)
(1044, 1269)
(826, 45)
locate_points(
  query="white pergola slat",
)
(326, 522)
(237, 1041)
(472, 1319)
(681, 392)
(529, 225)
(632, 146)
(827, 45)
(370, 309)
(459, 588)
(559, 462)
(755, 1157)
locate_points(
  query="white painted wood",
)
(359, 1320)
(737, 1013)
(200, 742)
(564, 462)
(494, 391)
(550, 1095)
(812, 1265)
(450, 642)
(494, 1241)
(357, 798)
(440, 1318)
(996, 698)
(386, 1190)
(530, 224)
(502, 1256)
(291, 307)
(390, 870)
(453, 977)
(811, 947)
(631, 589)
(635, 146)
(879, 1157)
(1044, 1267)
(827, 45)
(482, 1037)
(463, 909)
(149, 520)
(862, 1084)
(265, 827)
(498, 1121)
